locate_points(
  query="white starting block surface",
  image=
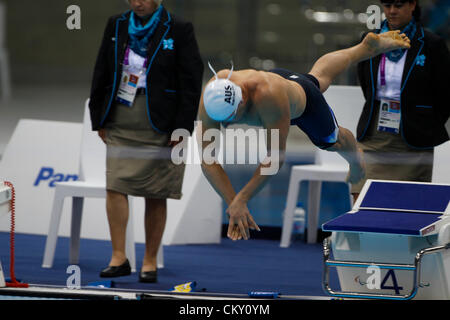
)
(393, 244)
(5, 197)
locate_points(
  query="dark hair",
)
(417, 13)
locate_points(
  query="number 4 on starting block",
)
(395, 286)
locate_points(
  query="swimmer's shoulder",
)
(268, 92)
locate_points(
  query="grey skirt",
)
(138, 158)
(387, 157)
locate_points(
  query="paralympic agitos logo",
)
(229, 94)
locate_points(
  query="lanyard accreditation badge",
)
(129, 81)
(390, 116)
(390, 113)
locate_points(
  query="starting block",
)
(393, 244)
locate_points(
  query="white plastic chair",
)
(328, 167)
(441, 167)
(91, 184)
(347, 103)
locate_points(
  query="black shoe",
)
(148, 276)
(118, 271)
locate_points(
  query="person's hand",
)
(102, 134)
(240, 221)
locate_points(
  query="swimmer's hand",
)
(358, 169)
(240, 220)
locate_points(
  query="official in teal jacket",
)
(407, 104)
(147, 83)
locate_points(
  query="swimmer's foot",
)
(385, 42)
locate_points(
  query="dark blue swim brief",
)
(318, 120)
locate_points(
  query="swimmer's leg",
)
(347, 147)
(329, 66)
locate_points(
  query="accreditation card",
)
(390, 116)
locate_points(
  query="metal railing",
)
(357, 264)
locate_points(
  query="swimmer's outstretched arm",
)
(240, 219)
(270, 166)
(219, 180)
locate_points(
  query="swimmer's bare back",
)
(262, 85)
